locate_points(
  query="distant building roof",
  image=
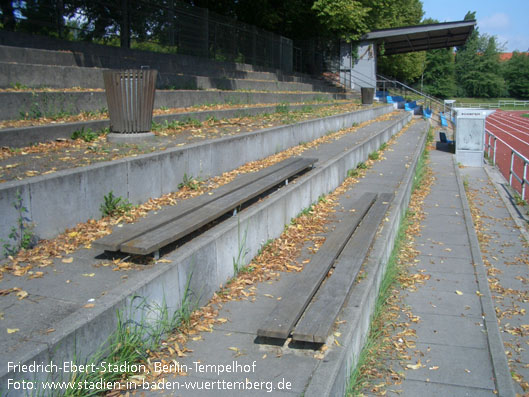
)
(422, 37)
(505, 56)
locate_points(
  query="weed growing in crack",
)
(114, 205)
(21, 235)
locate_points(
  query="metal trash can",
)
(130, 99)
(368, 94)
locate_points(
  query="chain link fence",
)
(161, 26)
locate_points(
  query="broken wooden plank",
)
(176, 229)
(282, 319)
(127, 232)
(318, 319)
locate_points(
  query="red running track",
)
(511, 129)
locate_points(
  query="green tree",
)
(403, 67)
(386, 14)
(347, 19)
(439, 73)
(438, 78)
(478, 69)
(516, 74)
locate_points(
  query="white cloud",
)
(499, 20)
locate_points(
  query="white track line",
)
(508, 133)
(511, 119)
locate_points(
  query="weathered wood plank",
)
(319, 316)
(176, 229)
(127, 232)
(289, 309)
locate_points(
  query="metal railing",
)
(498, 105)
(387, 84)
(491, 149)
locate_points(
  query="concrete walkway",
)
(457, 338)
(505, 254)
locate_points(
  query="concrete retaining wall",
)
(208, 257)
(16, 105)
(63, 199)
(332, 375)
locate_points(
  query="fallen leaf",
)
(459, 292)
(196, 338)
(89, 305)
(22, 294)
(268, 295)
(67, 260)
(235, 349)
(12, 330)
(89, 274)
(414, 366)
(36, 275)
(434, 368)
(164, 261)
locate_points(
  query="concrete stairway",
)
(65, 310)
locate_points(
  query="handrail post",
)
(524, 179)
(494, 156)
(512, 168)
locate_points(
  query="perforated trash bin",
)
(130, 99)
(368, 94)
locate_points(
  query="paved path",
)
(457, 339)
(505, 254)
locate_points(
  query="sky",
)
(508, 20)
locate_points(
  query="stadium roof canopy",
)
(421, 37)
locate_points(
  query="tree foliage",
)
(345, 18)
(516, 74)
(386, 14)
(438, 78)
(439, 73)
(478, 69)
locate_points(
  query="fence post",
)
(494, 157)
(254, 45)
(524, 179)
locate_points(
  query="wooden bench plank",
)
(176, 229)
(289, 309)
(319, 316)
(127, 232)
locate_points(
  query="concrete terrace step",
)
(33, 103)
(152, 175)
(60, 304)
(27, 48)
(164, 64)
(53, 76)
(25, 136)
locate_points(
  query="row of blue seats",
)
(410, 106)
